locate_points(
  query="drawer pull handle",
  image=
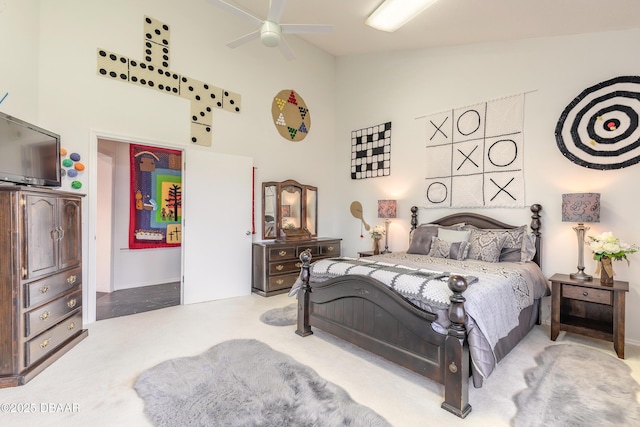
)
(330, 248)
(279, 267)
(71, 279)
(279, 281)
(72, 303)
(585, 294)
(45, 343)
(44, 289)
(44, 316)
(298, 264)
(71, 326)
(282, 253)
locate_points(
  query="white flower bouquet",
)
(607, 245)
(377, 232)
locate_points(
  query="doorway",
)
(127, 281)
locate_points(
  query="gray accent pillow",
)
(451, 250)
(421, 237)
(485, 245)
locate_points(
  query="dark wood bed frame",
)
(369, 314)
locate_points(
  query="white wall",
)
(401, 86)
(78, 104)
(19, 32)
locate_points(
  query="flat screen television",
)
(29, 155)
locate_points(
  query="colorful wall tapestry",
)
(156, 197)
(371, 152)
(474, 155)
(599, 128)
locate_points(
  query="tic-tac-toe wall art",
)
(599, 128)
(371, 151)
(474, 155)
(291, 115)
(154, 73)
(156, 197)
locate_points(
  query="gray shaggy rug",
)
(246, 383)
(575, 385)
(283, 316)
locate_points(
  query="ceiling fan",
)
(271, 30)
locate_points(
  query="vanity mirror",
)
(289, 210)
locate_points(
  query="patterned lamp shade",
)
(386, 208)
(581, 207)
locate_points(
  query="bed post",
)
(304, 328)
(414, 217)
(456, 353)
(535, 229)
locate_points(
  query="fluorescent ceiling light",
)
(393, 14)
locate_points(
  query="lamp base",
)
(581, 275)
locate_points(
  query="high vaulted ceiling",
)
(449, 22)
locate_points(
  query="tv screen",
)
(28, 154)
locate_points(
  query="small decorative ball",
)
(79, 166)
(72, 173)
(74, 156)
(63, 151)
(76, 185)
(67, 163)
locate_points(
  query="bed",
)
(443, 342)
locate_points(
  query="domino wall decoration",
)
(154, 73)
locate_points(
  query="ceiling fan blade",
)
(242, 40)
(286, 49)
(276, 8)
(305, 29)
(236, 11)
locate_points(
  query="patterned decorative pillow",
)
(421, 237)
(485, 245)
(452, 250)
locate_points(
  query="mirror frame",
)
(306, 189)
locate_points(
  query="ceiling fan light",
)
(393, 14)
(270, 34)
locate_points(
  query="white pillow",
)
(453, 235)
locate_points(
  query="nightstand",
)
(588, 308)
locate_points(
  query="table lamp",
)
(581, 208)
(386, 210)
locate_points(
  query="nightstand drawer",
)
(599, 296)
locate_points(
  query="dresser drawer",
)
(48, 341)
(45, 290)
(599, 296)
(330, 249)
(281, 253)
(44, 317)
(313, 248)
(284, 267)
(282, 282)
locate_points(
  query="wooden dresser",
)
(40, 280)
(276, 264)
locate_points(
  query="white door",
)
(217, 210)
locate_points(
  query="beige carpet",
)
(98, 374)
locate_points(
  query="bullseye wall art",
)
(599, 128)
(474, 155)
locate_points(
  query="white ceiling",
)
(449, 22)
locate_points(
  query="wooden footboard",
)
(368, 314)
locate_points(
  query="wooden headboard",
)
(485, 222)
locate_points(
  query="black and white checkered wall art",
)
(153, 73)
(474, 155)
(599, 128)
(371, 152)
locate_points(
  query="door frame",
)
(90, 250)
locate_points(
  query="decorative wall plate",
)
(291, 115)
